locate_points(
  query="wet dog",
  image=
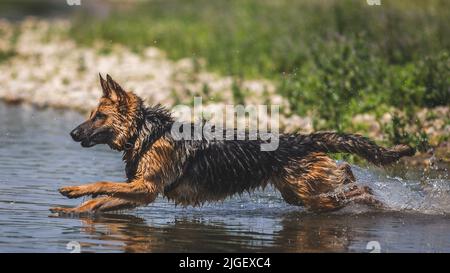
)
(191, 172)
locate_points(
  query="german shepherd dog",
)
(191, 172)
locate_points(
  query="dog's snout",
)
(75, 134)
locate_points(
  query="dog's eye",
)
(99, 116)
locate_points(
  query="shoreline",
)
(56, 72)
(435, 161)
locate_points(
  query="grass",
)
(332, 59)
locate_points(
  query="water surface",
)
(37, 157)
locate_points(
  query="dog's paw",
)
(73, 212)
(60, 210)
(72, 192)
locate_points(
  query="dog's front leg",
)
(101, 204)
(82, 190)
(121, 196)
(137, 189)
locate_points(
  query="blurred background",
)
(379, 70)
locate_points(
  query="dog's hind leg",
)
(362, 195)
(318, 183)
(347, 174)
(338, 199)
(100, 204)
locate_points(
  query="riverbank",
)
(43, 67)
(50, 70)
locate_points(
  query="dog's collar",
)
(129, 145)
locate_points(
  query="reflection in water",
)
(299, 232)
(313, 233)
(132, 234)
(37, 157)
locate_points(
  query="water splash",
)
(414, 194)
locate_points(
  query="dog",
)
(192, 172)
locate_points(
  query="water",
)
(38, 157)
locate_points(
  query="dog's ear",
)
(116, 92)
(105, 87)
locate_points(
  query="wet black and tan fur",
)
(191, 172)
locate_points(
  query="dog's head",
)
(112, 122)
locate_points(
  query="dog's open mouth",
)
(86, 143)
(95, 139)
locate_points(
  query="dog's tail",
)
(355, 144)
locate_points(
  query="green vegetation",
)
(332, 59)
(5, 55)
(397, 134)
